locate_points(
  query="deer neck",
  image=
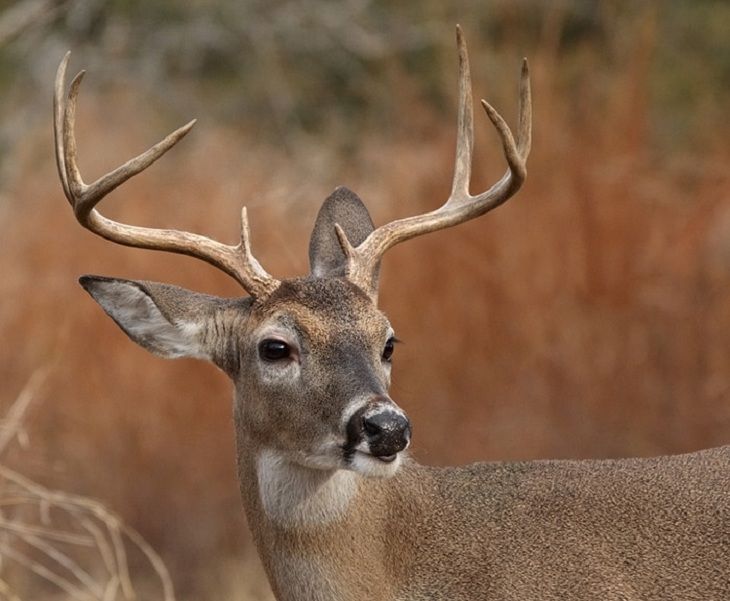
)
(314, 532)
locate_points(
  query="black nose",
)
(387, 432)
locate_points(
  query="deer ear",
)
(345, 208)
(166, 320)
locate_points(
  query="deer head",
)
(310, 357)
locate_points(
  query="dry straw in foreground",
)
(65, 545)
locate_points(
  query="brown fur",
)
(336, 324)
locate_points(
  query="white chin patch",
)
(371, 467)
(295, 496)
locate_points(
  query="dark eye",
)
(388, 350)
(274, 350)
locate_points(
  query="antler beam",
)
(237, 261)
(460, 206)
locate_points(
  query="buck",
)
(337, 509)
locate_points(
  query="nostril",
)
(371, 427)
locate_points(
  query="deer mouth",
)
(381, 458)
(350, 454)
(386, 458)
(370, 465)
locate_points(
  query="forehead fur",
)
(312, 301)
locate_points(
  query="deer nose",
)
(386, 432)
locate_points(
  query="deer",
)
(337, 508)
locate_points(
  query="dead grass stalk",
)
(55, 540)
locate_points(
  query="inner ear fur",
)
(170, 321)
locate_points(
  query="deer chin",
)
(294, 495)
(371, 466)
(327, 458)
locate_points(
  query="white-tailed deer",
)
(337, 510)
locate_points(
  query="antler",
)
(237, 261)
(362, 261)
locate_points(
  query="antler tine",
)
(460, 206)
(524, 133)
(465, 123)
(237, 261)
(58, 118)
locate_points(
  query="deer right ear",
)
(168, 321)
(342, 207)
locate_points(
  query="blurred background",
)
(588, 317)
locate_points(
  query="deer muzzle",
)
(379, 429)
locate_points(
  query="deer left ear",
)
(136, 308)
(168, 321)
(342, 207)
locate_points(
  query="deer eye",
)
(388, 350)
(274, 350)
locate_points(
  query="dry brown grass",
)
(588, 317)
(61, 545)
